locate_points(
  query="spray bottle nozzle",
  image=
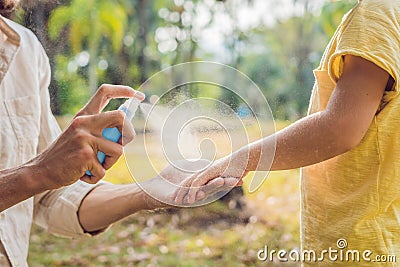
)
(131, 105)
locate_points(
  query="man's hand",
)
(75, 151)
(109, 203)
(231, 172)
(161, 189)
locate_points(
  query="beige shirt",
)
(27, 127)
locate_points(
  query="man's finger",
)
(104, 120)
(209, 189)
(212, 185)
(204, 178)
(200, 196)
(97, 171)
(174, 195)
(181, 193)
(104, 94)
(192, 185)
(195, 187)
(113, 151)
(216, 185)
(128, 133)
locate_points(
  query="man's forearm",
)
(109, 203)
(19, 184)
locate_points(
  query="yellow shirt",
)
(355, 197)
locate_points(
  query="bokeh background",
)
(276, 43)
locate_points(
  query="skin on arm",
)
(315, 138)
(109, 203)
(75, 151)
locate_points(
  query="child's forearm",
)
(337, 129)
(310, 140)
(333, 131)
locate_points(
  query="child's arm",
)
(315, 138)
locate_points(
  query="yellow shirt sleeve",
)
(372, 32)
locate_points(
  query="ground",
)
(208, 236)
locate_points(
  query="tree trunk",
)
(36, 18)
(142, 38)
(92, 67)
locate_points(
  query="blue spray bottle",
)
(129, 107)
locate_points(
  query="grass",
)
(214, 235)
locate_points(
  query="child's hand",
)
(161, 188)
(225, 169)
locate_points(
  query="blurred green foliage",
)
(88, 23)
(126, 41)
(72, 87)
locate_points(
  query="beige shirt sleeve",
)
(56, 210)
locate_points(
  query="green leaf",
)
(59, 19)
